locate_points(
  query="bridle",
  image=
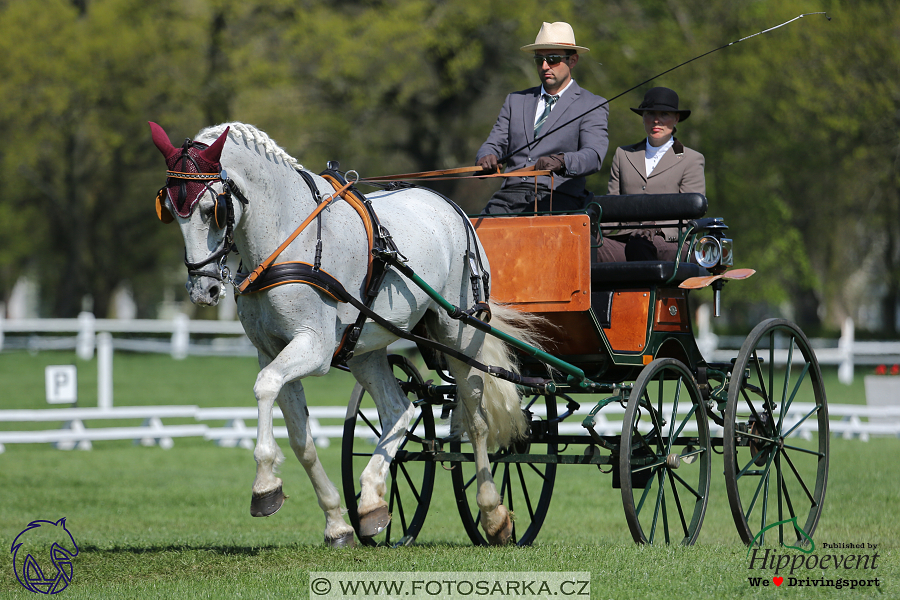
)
(223, 213)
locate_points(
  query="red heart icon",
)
(778, 580)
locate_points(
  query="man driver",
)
(571, 151)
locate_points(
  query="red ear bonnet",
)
(162, 141)
(193, 157)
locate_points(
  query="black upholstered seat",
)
(642, 273)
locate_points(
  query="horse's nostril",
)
(214, 291)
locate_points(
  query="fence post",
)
(84, 343)
(181, 336)
(845, 345)
(104, 371)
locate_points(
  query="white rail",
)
(847, 420)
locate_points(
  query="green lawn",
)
(153, 523)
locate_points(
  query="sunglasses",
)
(553, 59)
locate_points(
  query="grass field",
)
(153, 523)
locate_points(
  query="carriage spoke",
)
(659, 496)
(412, 486)
(800, 422)
(644, 495)
(369, 423)
(751, 463)
(684, 423)
(536, 470)
(686, 485)
(799, 478)
(804, 450)
(763, 480)
(525, 493)
(785, 402)
(673, 415)
(677, 499)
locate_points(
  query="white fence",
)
(847, 420)
(87, 335)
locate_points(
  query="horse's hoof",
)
(502, 535)
(267, 504)
(344, 541)
(373, 523)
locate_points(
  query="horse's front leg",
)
(374, 374)
(304, 355)
(292, 400)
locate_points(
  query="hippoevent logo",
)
(850, 568)
(42, 556)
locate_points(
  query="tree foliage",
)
(799, 126)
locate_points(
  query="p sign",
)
(62, 384)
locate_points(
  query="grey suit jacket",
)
(679, 171)
(584, 141)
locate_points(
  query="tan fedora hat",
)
(555, 36)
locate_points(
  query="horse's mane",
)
(249, 133)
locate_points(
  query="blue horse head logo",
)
(42, 556)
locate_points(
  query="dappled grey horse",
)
(233, 185)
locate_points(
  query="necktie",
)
(549, 101)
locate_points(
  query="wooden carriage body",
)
(609, 319)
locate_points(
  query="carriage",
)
(623, 337)
(618, 338)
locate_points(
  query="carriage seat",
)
(609, 211)
(638, 208)
(642, 273)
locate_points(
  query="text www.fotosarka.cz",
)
(415, 585)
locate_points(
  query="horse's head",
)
(198, 196)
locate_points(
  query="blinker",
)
(220, 214)
(162, 212)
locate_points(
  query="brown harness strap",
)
(265, 264)
(358, 206)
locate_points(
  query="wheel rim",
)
(664, 456)
(410, 482)
(525, 487)
(776, 437)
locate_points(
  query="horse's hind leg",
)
(292, 400)
(374, 374)
(495, 518)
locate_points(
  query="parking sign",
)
(62, 384)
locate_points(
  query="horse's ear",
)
(214, 152)
(162, 140)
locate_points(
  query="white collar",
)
(653, 151)
(560, 92)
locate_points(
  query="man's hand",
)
(488, 163)
(554, 163)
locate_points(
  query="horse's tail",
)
(501, 401)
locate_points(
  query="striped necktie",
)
(549, 101)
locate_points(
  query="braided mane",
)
(242, 132)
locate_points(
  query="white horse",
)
(297, 328)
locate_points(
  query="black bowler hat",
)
(663, 100)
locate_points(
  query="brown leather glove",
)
(554, 163)
(488, 163)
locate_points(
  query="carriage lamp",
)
(727, 256)
(708, 251)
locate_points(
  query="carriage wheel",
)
(664, 460)
(776, 435)
(410, 483)
(525, 487)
